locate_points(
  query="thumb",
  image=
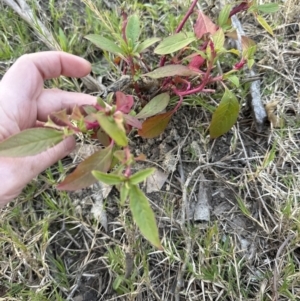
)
(47, 158)
(16, 173)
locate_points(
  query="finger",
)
(54, 100)
(49, 64)
(24, 80)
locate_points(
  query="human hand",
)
(24, 103)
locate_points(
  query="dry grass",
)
(53, 248)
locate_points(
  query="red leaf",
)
(102, 137)
(240, 64)
(204, 25)
(140, 157)
(82, 177)
(196, 63)
(77, 114)
(124, 102)
(247, 42)
(61, 118)
(155, 125)
(133, 121)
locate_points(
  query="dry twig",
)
(258, 109)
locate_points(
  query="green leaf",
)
(250, 63)
(124, 192)
(208, 52)
(154, 106)
(264, 24)
(224, 15)
(175, 42)
(171, 70)
(249, 53)
(30, 142)
(144, 216)
(104, 44)
(101, 102)
(132, 30)
(120, 155)
(225, 115)
(63, 41)
(88, 109)
(234, 79)
(268, 8)
(155, 125)
(147, 43)
(249, 47)
(141, 176)
(82, 176)
(218, 39)
(111, 128)
(109, 179)
(117, 283)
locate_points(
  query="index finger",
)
(36, 67)
(51, 64)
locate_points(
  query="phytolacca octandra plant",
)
(110, 123)
(188, 61)
(186, 67)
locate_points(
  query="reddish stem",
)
(183, 81)
(206, 79)
(125, 20)
(127, 172)
(239, 8)
(179, 102)
(204, 82)
(133, 71)
(91, 125)
(179, 28)
(131, 66)
(146, 66)
(187, 15)
(218, 78)
(162, 61)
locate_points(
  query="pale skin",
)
(24, 103)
